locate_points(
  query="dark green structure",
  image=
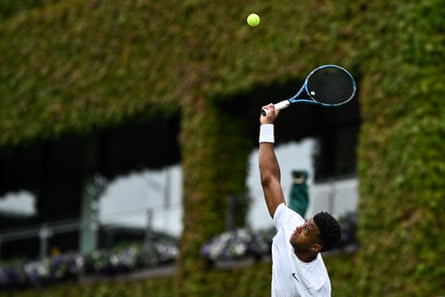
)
(75, 68)
(299, 194)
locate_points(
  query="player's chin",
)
(293, 238)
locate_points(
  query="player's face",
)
(305, 236)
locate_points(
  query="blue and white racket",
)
(327, 85)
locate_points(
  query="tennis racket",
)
(327, 85)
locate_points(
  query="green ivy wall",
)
(401, 165)
(74, 66)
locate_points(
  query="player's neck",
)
(306, 257)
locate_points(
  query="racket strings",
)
(330, 86)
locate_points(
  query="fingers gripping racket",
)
(326, 85)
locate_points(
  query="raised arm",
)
(269, 168)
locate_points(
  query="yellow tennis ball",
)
(253, 20)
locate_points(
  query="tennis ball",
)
(253, 20)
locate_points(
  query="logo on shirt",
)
(294, 275)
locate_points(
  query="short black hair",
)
(330, 230)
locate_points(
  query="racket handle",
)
(279, 106)
(282, 105)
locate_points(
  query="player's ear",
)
(316, 247)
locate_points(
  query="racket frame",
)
(312, 100)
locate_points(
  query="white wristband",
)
(267, 133)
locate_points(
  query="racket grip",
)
(282, 105)
(278, 106)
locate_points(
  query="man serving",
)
(298, 269)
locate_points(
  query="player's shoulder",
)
(284, 214)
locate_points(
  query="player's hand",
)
(271, 114)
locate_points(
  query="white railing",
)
(148, 218)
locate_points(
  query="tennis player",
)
(297, 265)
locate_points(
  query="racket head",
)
(330, 85)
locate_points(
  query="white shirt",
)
(292, 277)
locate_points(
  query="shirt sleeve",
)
(286, 217)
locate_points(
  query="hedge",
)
(252, 280)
